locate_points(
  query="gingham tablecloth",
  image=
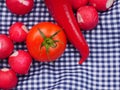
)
(101, 71)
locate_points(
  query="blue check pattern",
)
(101, 71)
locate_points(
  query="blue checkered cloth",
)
(101, 71)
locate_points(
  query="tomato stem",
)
(55, 34)
(42, 34)
(48, 41)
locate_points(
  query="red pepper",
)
(61, 11)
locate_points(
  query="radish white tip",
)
(94, 5)
(109, 3)
(0, 45)
(14, 54)
(79, 18)
(25, 28)
(24, 2)
(5, 69)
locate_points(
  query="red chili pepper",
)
(62, 12)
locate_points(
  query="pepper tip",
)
(81, 61)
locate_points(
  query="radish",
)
(20, 61)
(8, 79)
(87, 17)
(78, 3)
(18, 32)
(6, 46)
(101, 5)
(20, 7)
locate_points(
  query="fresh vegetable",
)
(101, 5)
(20, 7)
(61, 11)
(78, 3)
(20, 61)
(6, 46)
(8, 79)
(46, 42)
(18, 32)
(87, 17)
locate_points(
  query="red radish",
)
(87, 17)
(8, 79)
(20, 7)
(20, 62)
(101, 5)
(6, 46)
(18, 32)
(78, 3)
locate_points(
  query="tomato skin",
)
(34, 41)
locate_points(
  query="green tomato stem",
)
(48, 41)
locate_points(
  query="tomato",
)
(20, 7)
(46, 41)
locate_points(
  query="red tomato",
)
(6, 46)
(46, 41)
(20, 7)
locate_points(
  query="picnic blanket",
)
(101, 71)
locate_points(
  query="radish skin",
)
(18, 32)
(87, 17)
(8, 79)
(20, 61)
(78, 3)
(101, 5)
(20, 7)
(6, 46)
